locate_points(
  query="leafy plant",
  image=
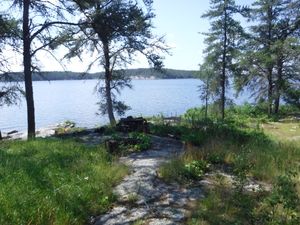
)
(143, 141)
(196, 169)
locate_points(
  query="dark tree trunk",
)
(27, 70)
(278, 86)
(270, 67)
(277, 104)
(0, 136)
(206, 103)
(108, 78)
(270, 91)
(223, 76)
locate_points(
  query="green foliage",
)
(224, 43)
(143, 141)
(166, 130)
(117, 30)
(10, 92)
(183, 170)
(55, 182)
(269, 63)
(134, 142)
(292, 97)
(196, 169)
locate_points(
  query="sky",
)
(178, 20)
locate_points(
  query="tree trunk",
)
(108, 75)
(0, 136)
(223, 76)
(270, 91)
(270, 67)
(278, 86)
(206, 104)
(27, 70)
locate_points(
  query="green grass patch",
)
(55, 182)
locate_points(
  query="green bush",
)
(143, 141)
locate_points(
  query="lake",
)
(75, 100)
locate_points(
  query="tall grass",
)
(224, 141)
(54, 182)
(242, 148)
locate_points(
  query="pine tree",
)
(223, 42)
(208, 86)
(41, 22)
(116, 30)
(272, 50)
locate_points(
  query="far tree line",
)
(263, 57)
(144, 73)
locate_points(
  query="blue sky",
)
(182, 24)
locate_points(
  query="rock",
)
(143, 196)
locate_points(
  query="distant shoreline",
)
(134, 74)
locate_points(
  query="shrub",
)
(143, 141)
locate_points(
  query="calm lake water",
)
(58, 101)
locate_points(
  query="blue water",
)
(58, 101)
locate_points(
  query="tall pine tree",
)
(269, 63)
(223, 42)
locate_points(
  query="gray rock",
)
(145, 197)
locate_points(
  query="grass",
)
(283, 130)
(55, 182)
(262, 150)
(224, 143)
